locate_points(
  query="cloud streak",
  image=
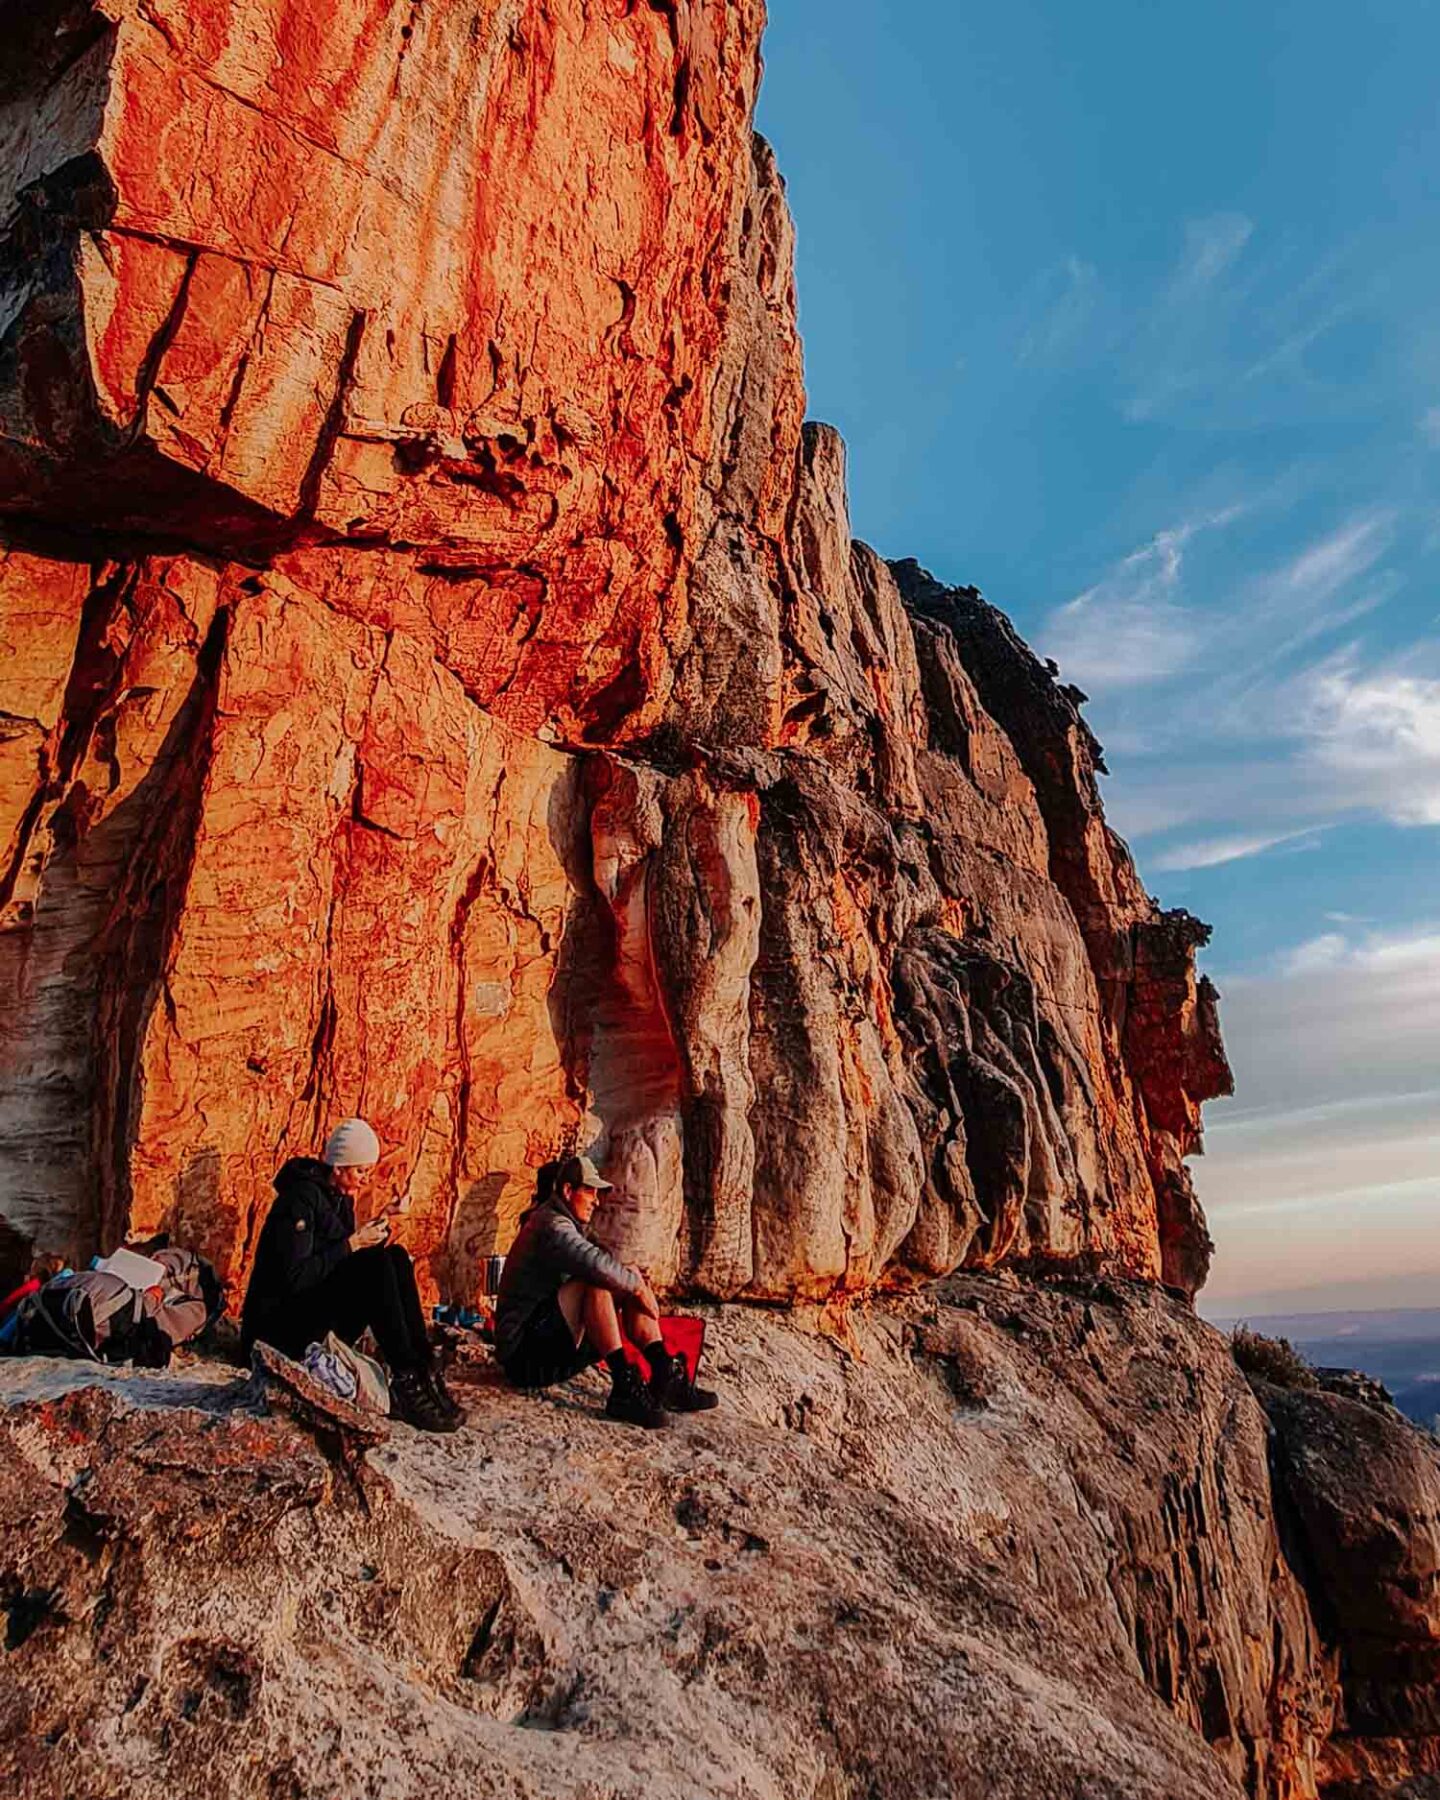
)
(1211, 853)
(1063, 308)
(1297, 728)
(1176, 344)
(1378, 734)
(1212, 245)
(1132, 629)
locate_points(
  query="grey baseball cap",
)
(579, 1171)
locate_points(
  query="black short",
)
(547, 1351)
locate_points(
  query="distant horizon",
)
(1391, 1294)
(1250, 1316)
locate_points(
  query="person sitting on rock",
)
(565, 1303)
(315, 1272)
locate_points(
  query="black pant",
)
(374, 1287)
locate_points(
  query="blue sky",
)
(1131, 317)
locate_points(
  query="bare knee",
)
(602, 1322)
(599, 1303)
(641, 1327)
(571, 1301)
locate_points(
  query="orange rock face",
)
(438, 683)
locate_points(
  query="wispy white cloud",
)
(1173, 347)
(1277, 612)
(1398, 953)
(1331, 563)
(1380, 954)
(1336, 1119)
(1363, 1195)
(1241, 329)
(1137, 626)
(1324, 952)
(1061, 310)
(1248, 329)
(1288, 745)
(1240, 1121)
(1258, 684)
(1131, 629)
(1211, 246)
(1210, 853)
(1377, 734)
(1128, 630)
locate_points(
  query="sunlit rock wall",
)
(439, 683)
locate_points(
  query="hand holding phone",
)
(371, 1236)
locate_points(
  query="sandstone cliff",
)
(439, 683)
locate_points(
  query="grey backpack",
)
(92, 1314)
(97, 1315)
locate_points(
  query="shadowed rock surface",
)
(1003, 1541)
(1358, 1490)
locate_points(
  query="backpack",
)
(98, 1316)
(93, 1315)
(191, 1296)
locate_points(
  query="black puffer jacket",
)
(306, 1236)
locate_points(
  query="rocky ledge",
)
(1009, 1540)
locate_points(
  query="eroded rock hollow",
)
(439, 683)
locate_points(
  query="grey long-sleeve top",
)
(551, 1249)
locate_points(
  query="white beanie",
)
(352, 1145)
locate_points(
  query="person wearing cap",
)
(565, 1303)
(315, 1271)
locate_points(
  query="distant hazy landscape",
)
(1400, 1348)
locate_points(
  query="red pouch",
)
(682, 1337)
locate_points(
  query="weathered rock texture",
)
(1010, 1543)
(439, 683)
(1357, 1489)
(1005, 1539)
(1001, 1540)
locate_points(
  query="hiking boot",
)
(631, 1402)
(414, 1402)
(449, 1405)
(677, 1392)
(671, 1385)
